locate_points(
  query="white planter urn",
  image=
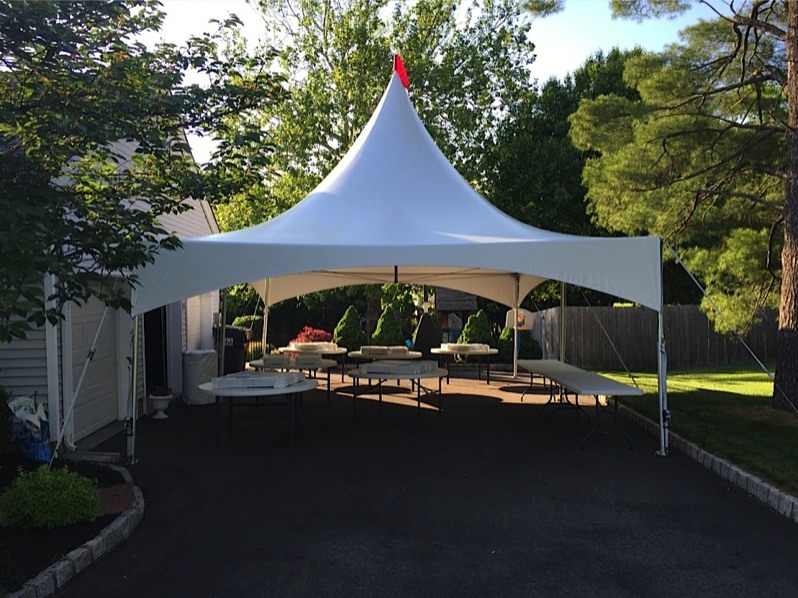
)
(160, 403)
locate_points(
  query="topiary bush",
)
(388, 330)
(477, 330)
(50, 498)
(349, 333)
(529, 348)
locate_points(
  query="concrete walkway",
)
(486, 499)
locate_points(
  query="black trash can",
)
(235, 349)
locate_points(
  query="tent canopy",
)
(395, 209)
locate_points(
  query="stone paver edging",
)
(56, 575)
(781, 502)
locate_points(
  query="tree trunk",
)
(785, 392)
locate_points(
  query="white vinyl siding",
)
(23, 365)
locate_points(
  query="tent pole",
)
(664, 414)
(264, 339)
(562, 321)
(662, 376)
(516, 301)
(130, 420)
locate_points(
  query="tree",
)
(467, 62)
(708, 159)
(477, 329)
(388, 331)
(76, 85)
(349, 331)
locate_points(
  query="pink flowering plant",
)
(312, 335)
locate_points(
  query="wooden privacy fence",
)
(690, 339)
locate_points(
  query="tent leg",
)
(264, 340)
(563, 301)
(662, 390)
(515, 325)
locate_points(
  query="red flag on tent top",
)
(399, 69)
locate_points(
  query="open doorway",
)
(155, 349)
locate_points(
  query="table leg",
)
(328, 385)
(418, 398)
(595, 429)
(487, 373)
(291, 398)
(531, 380)
(354, 397)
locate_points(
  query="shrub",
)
(50, 498)
(349, 333)
(388, 331)
(312, 335)
(253, 323)
(477, 330)
(529, 348)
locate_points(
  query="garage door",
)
(97, 404)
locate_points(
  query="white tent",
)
(385, 214)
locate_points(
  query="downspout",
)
(130, 420)
(53, 381)
(67, 374)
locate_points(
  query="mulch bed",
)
(26, 552)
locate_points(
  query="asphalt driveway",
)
(486, 499)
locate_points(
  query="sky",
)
(562, 42)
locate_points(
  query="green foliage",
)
(253, 323)
(242, 300)
(532, 142)
(400, 298)
(529, 348)
(50, 498)
(89, 121)
(388, 331)
(464, 59)
(699, 157)
(349, 332)
(477, 329)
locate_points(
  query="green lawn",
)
(727, 412)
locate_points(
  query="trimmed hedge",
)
(528, 348)
(477, 330)
(349, 333)
(388, 331)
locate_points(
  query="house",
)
(453, 308)
(50, 362)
